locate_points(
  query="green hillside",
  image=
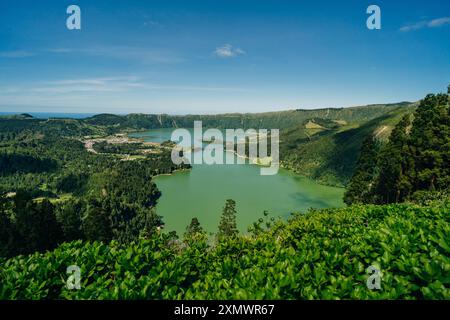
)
(267, 120)
(67, 199)
(329, 155)
(414, 161)
(322, 144)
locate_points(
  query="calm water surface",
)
(202, 191)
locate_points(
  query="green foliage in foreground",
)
(320, 255)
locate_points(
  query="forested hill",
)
(110, 123)
(412, 164)
(326, 150)
(96, 211)
(322, 144)
(267, 120)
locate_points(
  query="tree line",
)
(28, 226)
(413, 164)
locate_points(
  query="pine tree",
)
(361, 184)
(415, 161)
(144, 224)
(69, 217)
(194, 231)
(97, 223)
(36, 226)
(50, 228)
(430, 143)
(227, 225)
(394, 183)
(6, 232)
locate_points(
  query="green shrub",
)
(319, 255)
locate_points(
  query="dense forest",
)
(412, 164)
(64, 203)
(54, 191)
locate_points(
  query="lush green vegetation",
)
(322, 144)
(227, 225)
(318, 255)
(110, 210)
(53, 190)
(415, 159)
(268, 120)
(66, 199)
(329, 154)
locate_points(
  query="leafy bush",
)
(319, 255)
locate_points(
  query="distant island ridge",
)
(83, 115)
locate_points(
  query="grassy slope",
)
(267, 120)
(320, 255)
(108, 123)
(329, 156)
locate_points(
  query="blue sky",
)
(192, 56)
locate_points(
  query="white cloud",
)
(94, 85)
(227, 51)
(151, 23)
(142, 55)
(121, 94)
(16, 54)
(105, 85)
(194, 88)
(439, 22)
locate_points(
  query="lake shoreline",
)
(203, 189)
(287, 168)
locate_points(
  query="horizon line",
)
(191, 114)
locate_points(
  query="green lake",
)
(201, 192)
